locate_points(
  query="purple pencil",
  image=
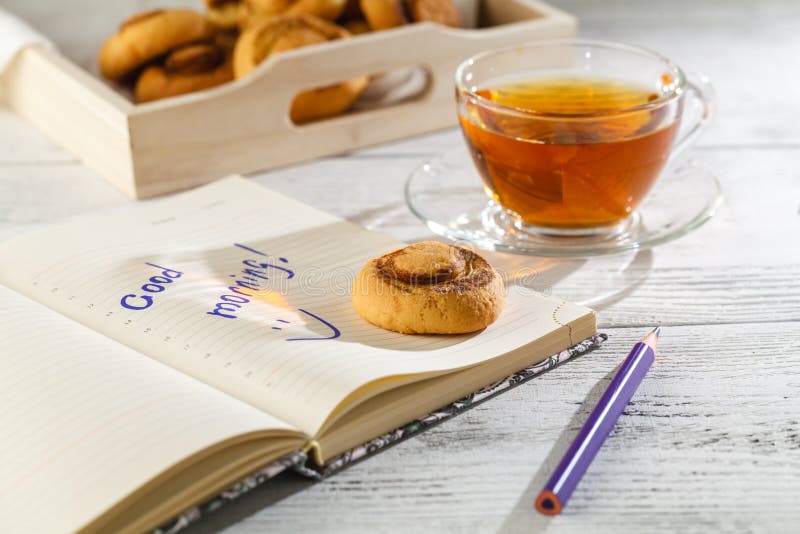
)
(587, 443)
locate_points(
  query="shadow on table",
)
(281, 487)
(524, 517)
(596, 282)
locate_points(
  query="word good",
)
(154, 284)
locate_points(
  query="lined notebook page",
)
(249, 291)
(85, 420)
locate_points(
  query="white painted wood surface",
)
(711, 442)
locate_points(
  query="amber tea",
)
(570, 152)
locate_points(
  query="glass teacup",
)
(569, 136)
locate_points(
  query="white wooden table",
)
(710, 443)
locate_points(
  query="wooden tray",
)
(155, 148)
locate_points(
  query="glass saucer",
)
(447, 194)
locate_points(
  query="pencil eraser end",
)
(548, 503)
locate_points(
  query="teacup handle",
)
(699, 93)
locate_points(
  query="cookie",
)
(429, 288)
(287, 32)
(442, 12)
(384, 14)
(356, 26)
(148, 35)
(325, 9)
(185, 70)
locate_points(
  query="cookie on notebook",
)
(187, 69)
(286, 32)
(429, 288)
(147, 36)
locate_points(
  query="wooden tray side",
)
(244, 126)
(75, 109)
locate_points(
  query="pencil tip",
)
(656, 331)
(652, 337)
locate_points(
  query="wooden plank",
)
(711, 30)
(741, 267)
(736, 269)
(750, 116)
(744, 47)
(751, 228)
(710, 440)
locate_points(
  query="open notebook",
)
(154, 356)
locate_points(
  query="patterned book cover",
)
(298, 461)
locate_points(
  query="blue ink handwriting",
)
(247, 280)
(154, 284)
(334, 331)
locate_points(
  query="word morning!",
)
(228, 304)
